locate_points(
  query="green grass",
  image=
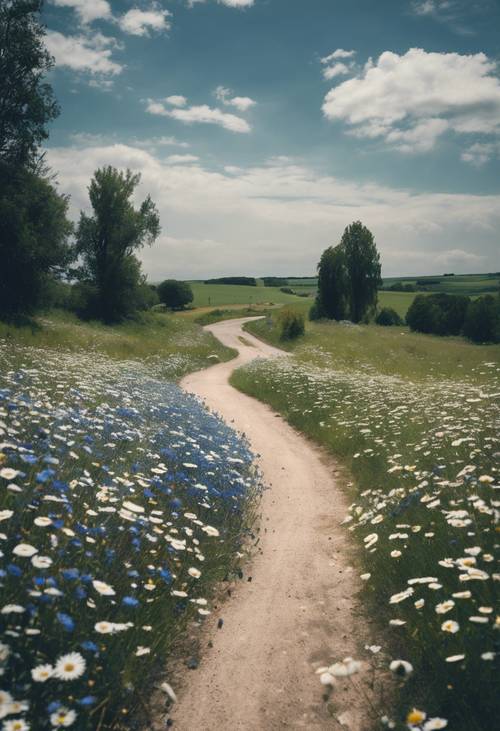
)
(215, 295)
(172, 344)
(413, 419)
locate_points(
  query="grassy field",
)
(467, 284)
(230, 294)
(414, 421)
(173, 345)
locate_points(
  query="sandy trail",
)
(298, 611)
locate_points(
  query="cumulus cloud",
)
(278, 217)
(202, 114)
(138, 22)
(87, 10)
(412, 99)
(90, 54)
(176, 100)
(242, 103)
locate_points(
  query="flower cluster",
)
(122, 502)
(424, 457)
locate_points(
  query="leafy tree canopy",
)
(174, 294)
(27, 103)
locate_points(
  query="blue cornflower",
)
(130, 601)
(66, 621)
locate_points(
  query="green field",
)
(412, 420)
(206, 295)
(466, 284)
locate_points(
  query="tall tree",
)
(363, 269)
(107, 240)
(34, 231)
(27, 103)
(331, 300)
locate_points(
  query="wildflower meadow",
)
(122, 503)
(422, 460)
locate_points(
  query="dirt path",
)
(298, 611)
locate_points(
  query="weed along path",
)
(298, 611)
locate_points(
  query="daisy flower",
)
(70, 666)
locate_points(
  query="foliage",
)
(439, 314)
(174, 294)
(414, 421)
(123, 502)
(107, 240)
(482, 320)
(291, 324)
(387, 317)
(275, 282)
(34, 232)
(245, 281)
(26, 103)
(362, 262)
(332, 297)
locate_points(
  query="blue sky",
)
(262, 128)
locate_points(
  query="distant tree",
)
(388, 317)
(174, 294)
(440, 314)
(107, 240)
(34, 233)
(331, 300)
(362, 262)
(27, 103)
(482, 320)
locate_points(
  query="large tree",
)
(331, 300)
(363, 269)
(107, 240)
(27, 103)
(34, 232)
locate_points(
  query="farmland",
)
(230, 294)
(414, 420)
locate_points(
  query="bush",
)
(388, 317)
(482, 320)
(287, 290)
(291, 324)
(174, 294)
(438, 314)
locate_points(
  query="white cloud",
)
(339, 53)
(338, 69)
(480, 153)
(227, 3)
(242, 103)
(202, 114)
(138, 22)
(182, 159)
(277, 218)
(176, 100)
(413, 98)
(87, 10)
(82, 53)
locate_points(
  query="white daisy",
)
(41, 562)
(25, 550)
(103, 588)
(63, 717)
(70, 666)
(42, 673)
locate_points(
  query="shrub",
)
(287, 290)
(291, 324)
(387, 317)
(482, 320)
(439, 314)
(174, 294)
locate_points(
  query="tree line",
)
(41, 251)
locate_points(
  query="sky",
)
(262, 128)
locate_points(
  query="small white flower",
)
(455, 658)
(8, 473)
(42, 522)
(25, 550)
(195, 573)
(103, 588)
(433, 724)
(167, 688)
(12, 609)
(42, 673)
(15, 724)
(450, 626)
(70, 666)
(41, 562)
(401, 667)
(142, 651)
(6, 514)
(63, 717)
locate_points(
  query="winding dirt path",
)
(297, 613)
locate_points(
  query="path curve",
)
(297, 612)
